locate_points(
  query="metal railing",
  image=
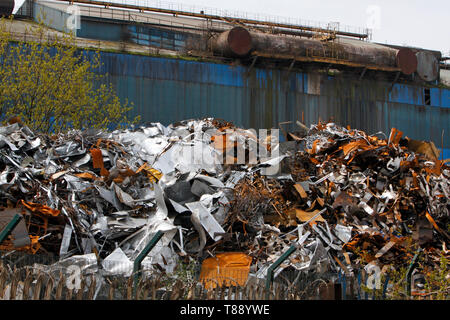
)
(240, 14)
(207, 13)
(135, 17)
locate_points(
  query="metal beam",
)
(362, 74)
(141, 256)
(277, 263)
(286, 76)
(327, 60)
(395, 80)
(291, 65)
(411, 268)
(252, 65)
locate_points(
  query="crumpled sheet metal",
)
(366, 186)
(109, 193)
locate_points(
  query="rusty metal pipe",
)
(236, 42)
(239, 42)
(341, 49)
(6, 7)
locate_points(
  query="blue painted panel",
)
(99, 31)
(168, 90)
(171, 69)
(402, 93)
(436, 96)
(445, 154)
(155, 37)
(445, 98)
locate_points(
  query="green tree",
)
(52, 86)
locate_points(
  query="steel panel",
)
(168, 90)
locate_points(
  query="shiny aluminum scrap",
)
(344, 198)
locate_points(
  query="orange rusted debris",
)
(97, 161)
(223, 143)
(305, 216)
(355, 145)
(40, 208)
(86, 175)
(97, 158)
(152, 174)
(431, 220)
(300, 190)
(395, 136)
(423, 147)
(320, 201)
(33, 247)
(36, 226)
(225, 269)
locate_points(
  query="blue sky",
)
(415, 23)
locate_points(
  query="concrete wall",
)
(445, 77)
(51, 17)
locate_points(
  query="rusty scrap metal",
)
(345, 198)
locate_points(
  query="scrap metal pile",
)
(344, 198)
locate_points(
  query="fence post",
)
(343, 281)
(38, 286)
(60, 287)
(48, 289)
(141, 256)
(92, 287)
(26, 286)
(277, 263)
(410, 270)
(111, 290)
(10, 226)
(358, 287)
(14, 285)
(385, 286)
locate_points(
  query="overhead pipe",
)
(238, 42)
(9, 7)
(6, 7)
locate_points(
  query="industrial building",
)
(176, 64)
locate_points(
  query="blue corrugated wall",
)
(167, 90)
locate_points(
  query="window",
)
(427, 97)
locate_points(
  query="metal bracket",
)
(141, 256)
(286, 77)
(285, 133)
(362, 74)
(252, 65)
(411, 268)
(395, 80)
(291, 66)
